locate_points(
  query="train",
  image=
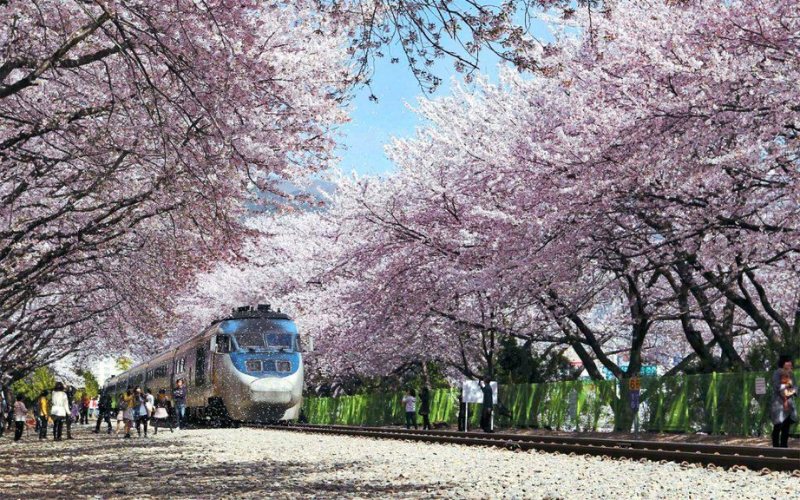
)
(245, 367)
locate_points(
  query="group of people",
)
(410, 404)
(138, 407)
(61, 409)
(783, 405)
(135, 407)
(409, 401)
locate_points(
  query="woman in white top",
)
(410, 402)
(151, 402)
(59, 411)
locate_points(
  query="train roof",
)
(244, 312)
(247, 312)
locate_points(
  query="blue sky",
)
(373, 124)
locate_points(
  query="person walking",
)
(127, 405)
(486, 408)
(60, 410)
(410, 402)
(141, 412)
(44, 414)
(179, 394)
(150, 403)
(161, 413)
(4, 407)
(425, 407)
(20, 415)
(93, 405)
(103, 412)
(72, 413)
(462, 411)
(783, 407)
(75, 413)
(84, 412)
(121, 407)
(10, 418)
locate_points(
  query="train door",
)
(200, 366)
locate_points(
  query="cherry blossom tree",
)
(698, 166)
(635, 198)
(462, 31)
(133, 137)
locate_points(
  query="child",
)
(161, 413)
(127, 411)
(74, 413)
(44, 414)
(121, 407)
(787, 390)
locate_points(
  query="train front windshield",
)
(261, 334)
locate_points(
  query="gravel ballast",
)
(237, 463)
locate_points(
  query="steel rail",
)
(723, 456)
(724, 449)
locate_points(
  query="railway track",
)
(752, 457)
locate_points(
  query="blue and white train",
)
(247, 367)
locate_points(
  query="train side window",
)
(223, 344)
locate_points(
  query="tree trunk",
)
(623, 414)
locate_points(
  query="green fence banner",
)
(716, 403)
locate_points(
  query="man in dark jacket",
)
(462, 411)
(103, 412)
(425, 407)
(486, 408)
(179, 398)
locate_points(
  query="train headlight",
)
(284, 366)
(253, 365)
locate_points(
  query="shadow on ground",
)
(110, 467)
